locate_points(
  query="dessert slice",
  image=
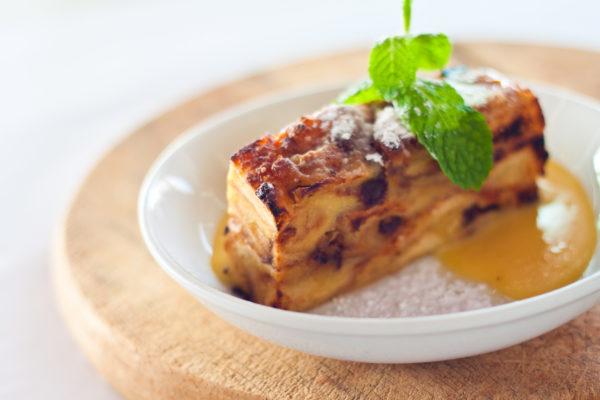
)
(347, 195)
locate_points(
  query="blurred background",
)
(78, 75)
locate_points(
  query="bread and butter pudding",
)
(347, 195)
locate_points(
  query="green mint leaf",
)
(407, 6)
(360, 93)
(430, 51)
(454, 134)
(391, 66)
(431, 104)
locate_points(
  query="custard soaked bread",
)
(347, 195)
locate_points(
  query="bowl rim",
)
(350, 326)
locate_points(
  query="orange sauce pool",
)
(533, 249)
(219, 258)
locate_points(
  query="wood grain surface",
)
(152, 340)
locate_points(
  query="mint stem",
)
(407, 10)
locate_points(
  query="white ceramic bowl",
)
(183, 198)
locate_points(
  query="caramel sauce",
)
(533, 249)
(219, 259)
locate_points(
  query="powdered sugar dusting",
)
(375, 157)
(343, 121)
(474, 94)
(475, 85)
(424, 287)
(388, 129)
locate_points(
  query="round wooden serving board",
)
(153, 340)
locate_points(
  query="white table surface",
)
(75, 76)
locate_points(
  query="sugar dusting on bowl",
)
(424, 287)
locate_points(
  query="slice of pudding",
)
(347, 195)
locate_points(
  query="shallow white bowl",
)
(183, 198)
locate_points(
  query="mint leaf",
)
(454, 134)
(391, 66)
(465, 153)
(432, 104)
(406, 8)
(430, 51)
(360, 93)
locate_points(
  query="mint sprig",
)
(453, 133)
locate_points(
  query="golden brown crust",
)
(327, 204)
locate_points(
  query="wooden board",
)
(152, 340)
